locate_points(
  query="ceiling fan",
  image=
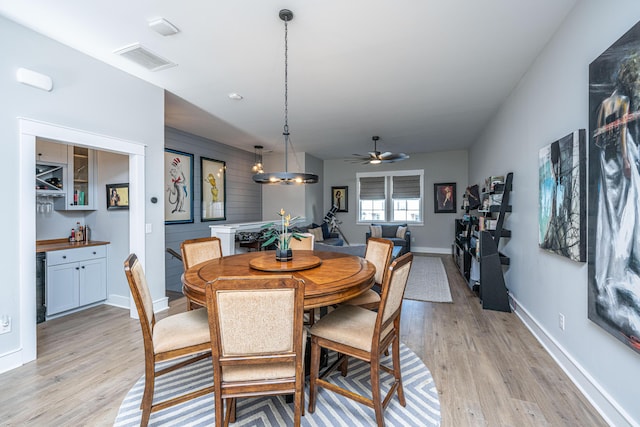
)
(376, 157)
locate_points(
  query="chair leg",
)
(344, 366)
(375, 388)
(219, 408)
(147, 397)
(313, 373)
(396, 369)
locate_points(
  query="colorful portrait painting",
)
(562, 200)
(614, 189)
(212, 190)
(178, 182)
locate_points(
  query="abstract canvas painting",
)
(614, 189)
(562, 199)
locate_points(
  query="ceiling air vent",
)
(143, 56)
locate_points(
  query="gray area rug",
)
(428, 281)
(422, 409)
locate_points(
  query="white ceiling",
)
(425, 75)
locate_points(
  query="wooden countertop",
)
(61, 244)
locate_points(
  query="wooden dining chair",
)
(195, 251)
(305, 243)
(378, 252)
(257, 340)
(173, 337)
(354, 331)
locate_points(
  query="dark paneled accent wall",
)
(243, 196)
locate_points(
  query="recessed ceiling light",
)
(235, 96)
(163, 27)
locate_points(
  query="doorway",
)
(29, 131)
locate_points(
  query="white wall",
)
(87, 95)
(437, 233)
(550, 102)
(112, 225)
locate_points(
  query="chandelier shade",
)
(285, 177)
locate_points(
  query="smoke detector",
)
(163, 27)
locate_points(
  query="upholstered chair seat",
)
(181, 330)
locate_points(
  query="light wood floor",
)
(488, 368)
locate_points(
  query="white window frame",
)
(388, 175)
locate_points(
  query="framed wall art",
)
(444, 197)
(562, 196)
(340, 198)
(212, 193)
(178, 182)
(614, 216)
(117, 196)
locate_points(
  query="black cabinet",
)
(477, 242)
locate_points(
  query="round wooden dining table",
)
(329, 277)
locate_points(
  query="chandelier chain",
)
(286, 77)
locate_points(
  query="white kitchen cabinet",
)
(50, 152)
(75, 278)
(80, 182)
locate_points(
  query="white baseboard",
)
(11, 360)
(602, 401)
(123, 302)
(427, 250)
(118, 301)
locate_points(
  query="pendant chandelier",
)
(286, 177)
(257, 159)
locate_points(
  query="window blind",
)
(372, 188)
(406, 187)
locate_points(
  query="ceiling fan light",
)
(375, 161)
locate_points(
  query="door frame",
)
(29, 130)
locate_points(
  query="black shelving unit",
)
(472, 234)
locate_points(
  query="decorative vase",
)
(284, 255)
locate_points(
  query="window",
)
(390, 196)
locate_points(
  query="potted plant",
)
(279, 234)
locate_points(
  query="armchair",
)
(390, 231)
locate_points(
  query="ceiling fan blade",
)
(386, 155)
(395, 158)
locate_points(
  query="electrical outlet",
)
(561, 321)
(5, 324)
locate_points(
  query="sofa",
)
(390, 231)
(328, 238)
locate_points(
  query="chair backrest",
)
(379, 254)
(141, 296)
(253, 317)
(393, 289)
(305, 243)
(195, 251)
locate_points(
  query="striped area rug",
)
(423, 406)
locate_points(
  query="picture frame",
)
(562, 215)
(213, 189)
(612, 182)
(117, 196)
(178, 182)
(444, 197)
(340, 198)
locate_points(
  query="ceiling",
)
(424, 75)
